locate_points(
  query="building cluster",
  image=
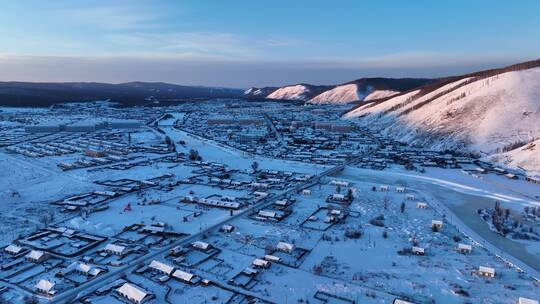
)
(316, 135)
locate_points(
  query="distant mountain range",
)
(44, 94)
(132, 93)
(363, 89)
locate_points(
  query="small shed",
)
(161, 267)
(436, 224)
(260, 263)
(486, 271)
(272, 258)
(115, 249)
(227, 228)
(36, 256)
(285, 247)
(13, 249)
(45, 287)
(400, 301)
(464, 248)
(201, 245)
(418, 250)
(421, 205)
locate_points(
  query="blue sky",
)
(245, 43)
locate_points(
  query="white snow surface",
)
(339, 95)
(253, 91)
(378, 94)
(294, 92)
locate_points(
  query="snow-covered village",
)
(243, 152)
(267, 202)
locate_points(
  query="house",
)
(185, 277)
(259, 186)
(330, 219)
(464, 248)
(133, 293)
(418, 250)
(410, 197)
(339, 183)
(421, 205)
(200, 245)
(526, 301)
(511, 176)
(272, 258)
(161, 267)
(399, 301)
(436, 224)
(499, 170)
(227, 228)
(282, 203)
(13, 249)
(250, 271)
(267, 214)
(533, 179)
(336, 197)
(45, 287)
(85, 269)
(36, 256)
(486, 271)
(383, 188)
(260, 195)
(152, 229)
(306, 192)
(480, 170)
(400, 189)
(259, 263)
(115, 249)
(285, 247)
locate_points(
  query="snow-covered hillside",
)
(339, 95)
(526, 157)
(378, 94)
(363, 89)
(294, 92)
(254, 92)
(480, 113)
(350, 92)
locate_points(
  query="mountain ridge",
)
(347, 92)
(16, 93)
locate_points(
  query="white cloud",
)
(204, 44)
(114, 16)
